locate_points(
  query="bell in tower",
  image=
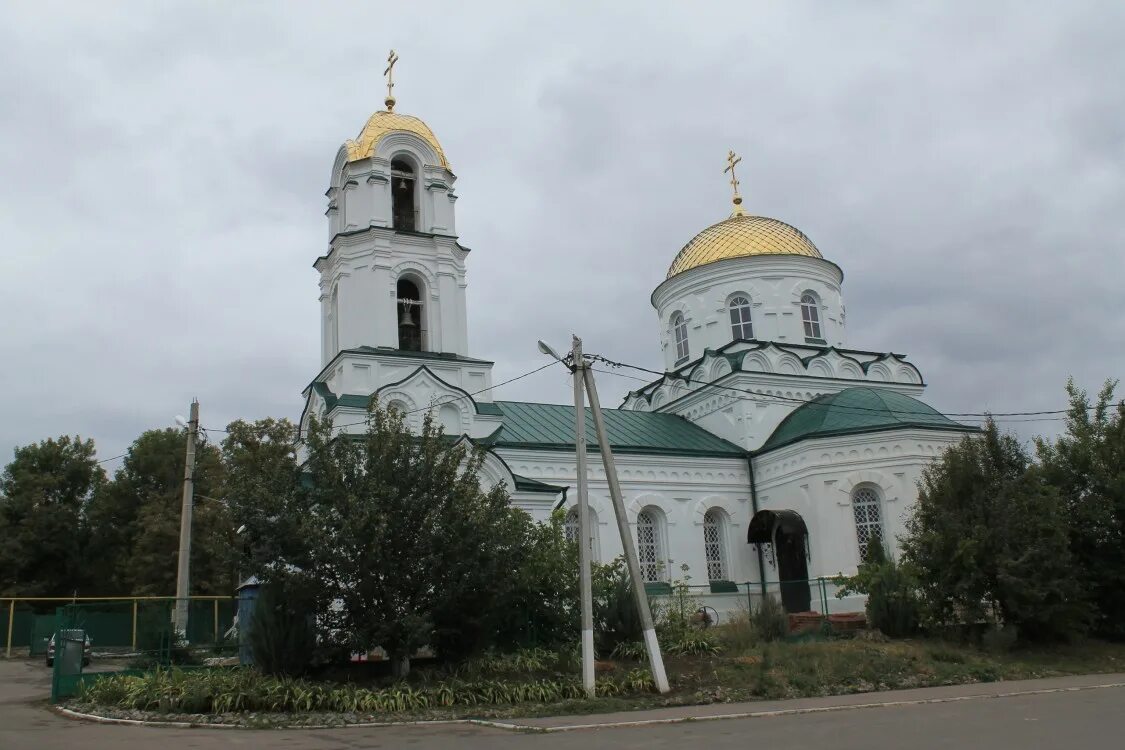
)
(410, 333)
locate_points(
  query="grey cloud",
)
(162, 170)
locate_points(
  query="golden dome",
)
(741, 236)
(384, 123)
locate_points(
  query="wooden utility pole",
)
(578, 367)
(656, 662)
(183, 569)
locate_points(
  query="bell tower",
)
(392, 284)
(394, 273)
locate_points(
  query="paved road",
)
(1072, 719)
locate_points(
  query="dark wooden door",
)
(793, 571)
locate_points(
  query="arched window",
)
(715, 545)
(411, 335)
(650, 545)
(404, 211)
(810, 316)
(868, 517)
(570, 525)
(679, 333)
(740, 325)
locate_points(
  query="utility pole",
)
(656, 662)
(183, 569)
(584, 589)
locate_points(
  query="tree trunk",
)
(400, 666)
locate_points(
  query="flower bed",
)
(235, 690)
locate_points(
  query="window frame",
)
(570, 529)
(810, 317)
(654, 570)
(715, 521)
(678, 325)
(745, 322)
(865, 527)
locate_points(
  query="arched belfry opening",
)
(411, 335)
(404, 206)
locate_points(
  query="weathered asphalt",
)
(1065, 713)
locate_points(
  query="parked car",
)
(51, 651)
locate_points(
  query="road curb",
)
(517, 727)
(97, 719)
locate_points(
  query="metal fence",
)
(726, 598)
(120, 623)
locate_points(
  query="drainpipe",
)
(754, 505)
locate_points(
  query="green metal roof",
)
(527, 484)
(858, 410)
(551, 427)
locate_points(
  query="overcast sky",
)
(163, 168)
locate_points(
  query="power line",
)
(114, 458)
(773, 398)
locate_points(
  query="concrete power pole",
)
(655, 660)
(183, 569)
(584, 588)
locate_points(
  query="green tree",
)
(530, 575)
(263, 491)
(988, 542)
(403, 535)
(43, 497)
(135, 521)
(1087, 466)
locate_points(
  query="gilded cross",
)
(390, 73)
(732, 160)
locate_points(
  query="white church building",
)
(769, 450)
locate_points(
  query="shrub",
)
(893, 604)
(282, 632)
(524, 661)
(769, 620)
(616, 619)
(633, 650)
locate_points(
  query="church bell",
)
(404, 317)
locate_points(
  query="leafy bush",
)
(632, 650)
(893, 605)
(694, 644)
(222, 691)
(616, 619)
(524, 661)
(282, 633)
(769, 620)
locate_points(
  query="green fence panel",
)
(42, 626)
(209, 619)
(22, 624)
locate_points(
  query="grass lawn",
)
(835, 667)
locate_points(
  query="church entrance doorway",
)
(787, 535)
